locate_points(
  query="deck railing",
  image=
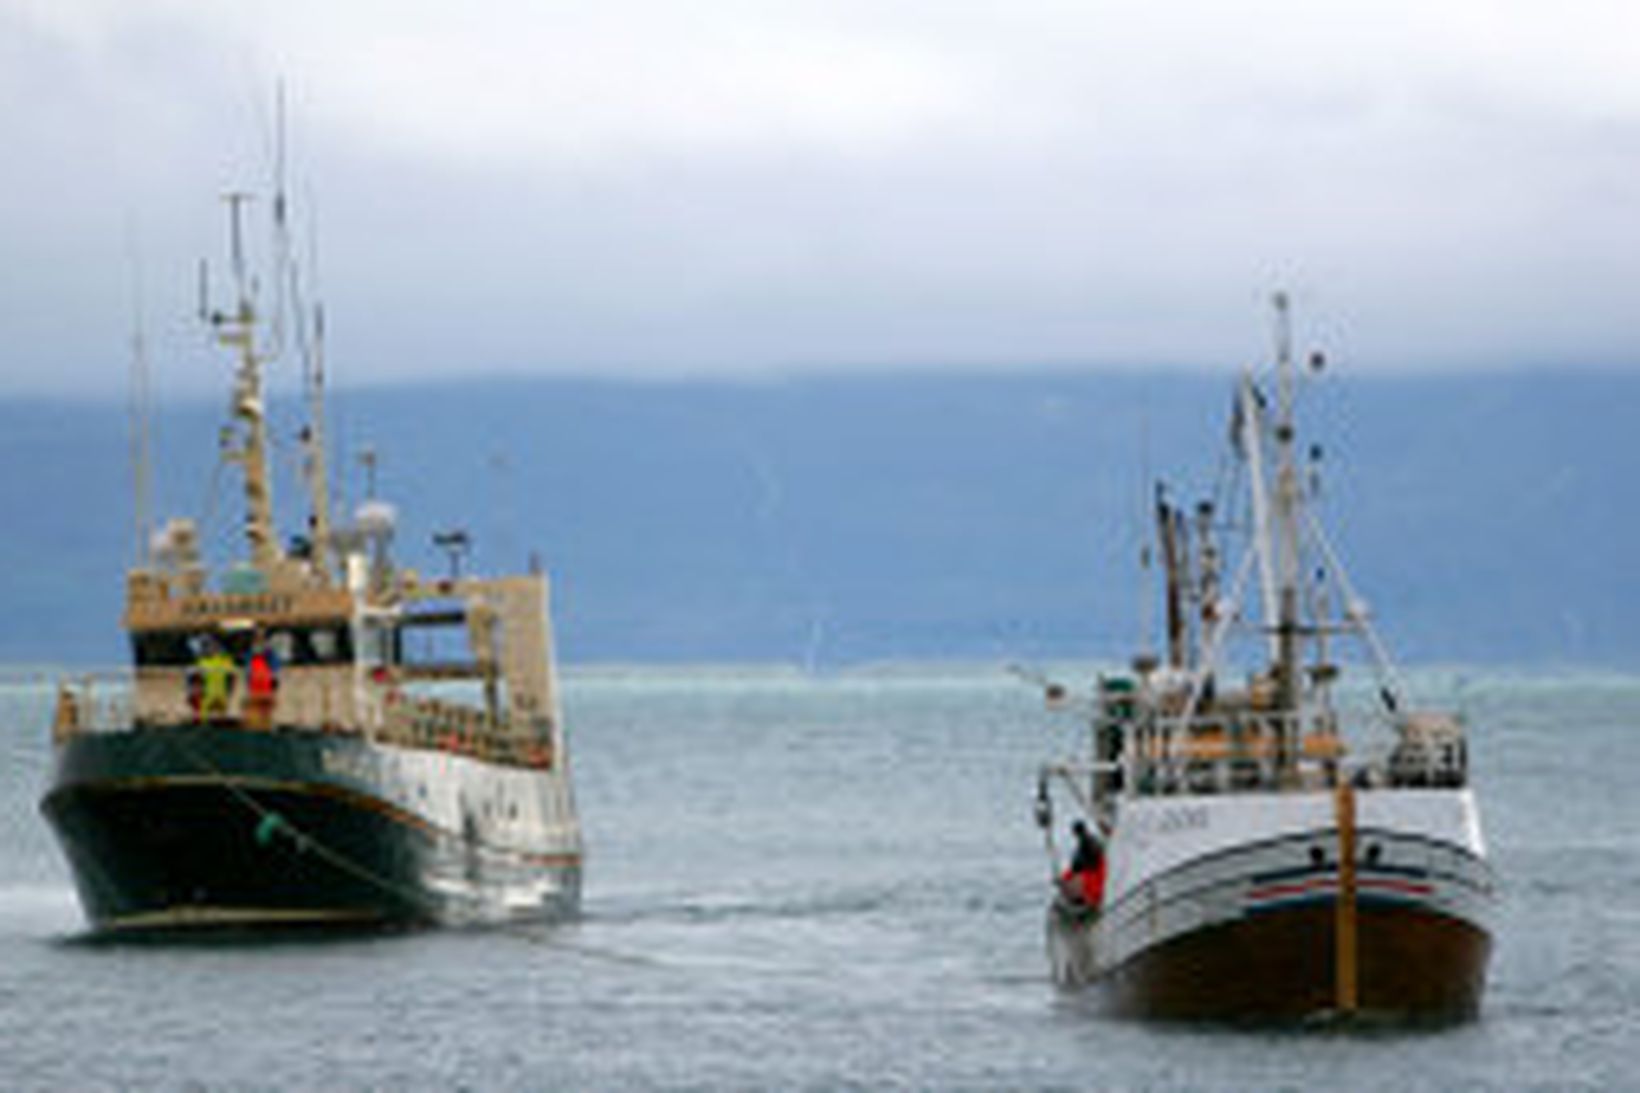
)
(98, 702)
(1224, 752)
(103, 704)
(1227, 751)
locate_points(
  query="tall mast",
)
(1289, 688)
(1250, 436)
(238, 331)
(1286, 510)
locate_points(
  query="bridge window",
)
(293, 645)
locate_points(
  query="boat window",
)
(328, 645)
(282, 643)
(379, 645)
(312, 645)
(163, 648)
(292, 645)
(444, 647)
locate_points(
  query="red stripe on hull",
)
(1328, 886)
(1414, 965)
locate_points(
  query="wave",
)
(39, 910)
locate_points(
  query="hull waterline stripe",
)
(1368, 889)
(231, 916)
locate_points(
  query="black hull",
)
(211, 829)
(1414, 966)
(196, 855)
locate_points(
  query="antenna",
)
(455, 543)
(1282, 304)
(141, 411)
(237, 200)
(1147, 545)
(310, 347)
(318, 474)
(367, 460)
(282, 266)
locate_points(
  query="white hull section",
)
(507, 809)
(1181, 865)
(507, 839)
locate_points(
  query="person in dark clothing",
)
(1084, 880)
(1089, 853)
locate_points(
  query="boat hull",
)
(210, 827)
(1238, 910)
(1413, 966)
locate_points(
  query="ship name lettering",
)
(260, 604)
(1174, 820)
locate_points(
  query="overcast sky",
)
(751, 187)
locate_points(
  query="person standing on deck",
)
(217, 676)
(261, 684)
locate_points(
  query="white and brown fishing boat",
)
(314, 735)
(1268, 856)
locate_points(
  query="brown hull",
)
(1413, 965)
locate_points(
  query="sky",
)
(755, 188)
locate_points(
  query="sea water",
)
(824, 882)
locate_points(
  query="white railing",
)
(1231, 750)
(104, 704)
(92, 703)
(1226, 751)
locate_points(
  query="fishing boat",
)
(314, 735)
(1267, 838)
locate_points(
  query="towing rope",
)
(271, 823)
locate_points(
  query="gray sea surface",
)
(828, 882)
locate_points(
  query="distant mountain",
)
(1487, 517)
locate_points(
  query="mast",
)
(1286, 512)
(238, 331)
(1170, 531)
(1288, 687)
(1208, 565)
(1250, 436)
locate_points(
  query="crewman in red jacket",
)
(1084, 880)
(261, 685)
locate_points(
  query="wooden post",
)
(1346, 990)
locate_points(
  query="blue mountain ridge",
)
(853, 518)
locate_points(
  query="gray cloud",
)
(736, 188)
